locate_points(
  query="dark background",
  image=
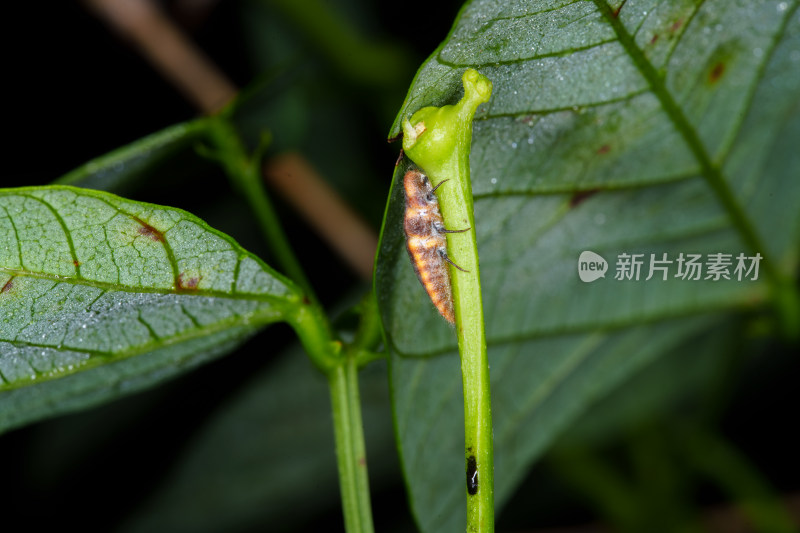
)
(73, 90)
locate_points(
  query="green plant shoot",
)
(438, 140)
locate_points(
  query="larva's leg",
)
(443, 253)
(440, 184)
(454, 230)
(440, 228)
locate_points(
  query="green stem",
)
(457, 207)
(314, 330)
(477, 394)
(368, 333)
(315, 334)
(439, 141)
(340, 365)
(245, 171)
(363, 60)
(350, 449)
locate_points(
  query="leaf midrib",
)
(107, 286)
(518, 60)
(710, 172)
(253, 321)
(745, 303)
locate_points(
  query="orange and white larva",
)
(426, 242)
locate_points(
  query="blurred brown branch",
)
(301, 185)
(169, 50)
(176, 57)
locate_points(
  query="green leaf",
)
(123, 169)
(701, 364)
(101, 296)
(663, 127)
(279, 468)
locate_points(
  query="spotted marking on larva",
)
(426, 242)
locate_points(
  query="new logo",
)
(591, 266)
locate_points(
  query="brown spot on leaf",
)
(716, 72)
(149, 231)
(186, 283)
(76, 263)
(615, 13)
(676, 25)
(604, 149)
(654, 39)
(8, 286)
(581, 196)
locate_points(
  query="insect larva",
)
(426, 242)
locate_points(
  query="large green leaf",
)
(278, 470)
(101, 296)
(638, 127)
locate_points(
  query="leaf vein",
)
(711, 173)
(144, 290)
(67, 233)
(759, 75)
(16, 236)
(518, 60)
(167, 247)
